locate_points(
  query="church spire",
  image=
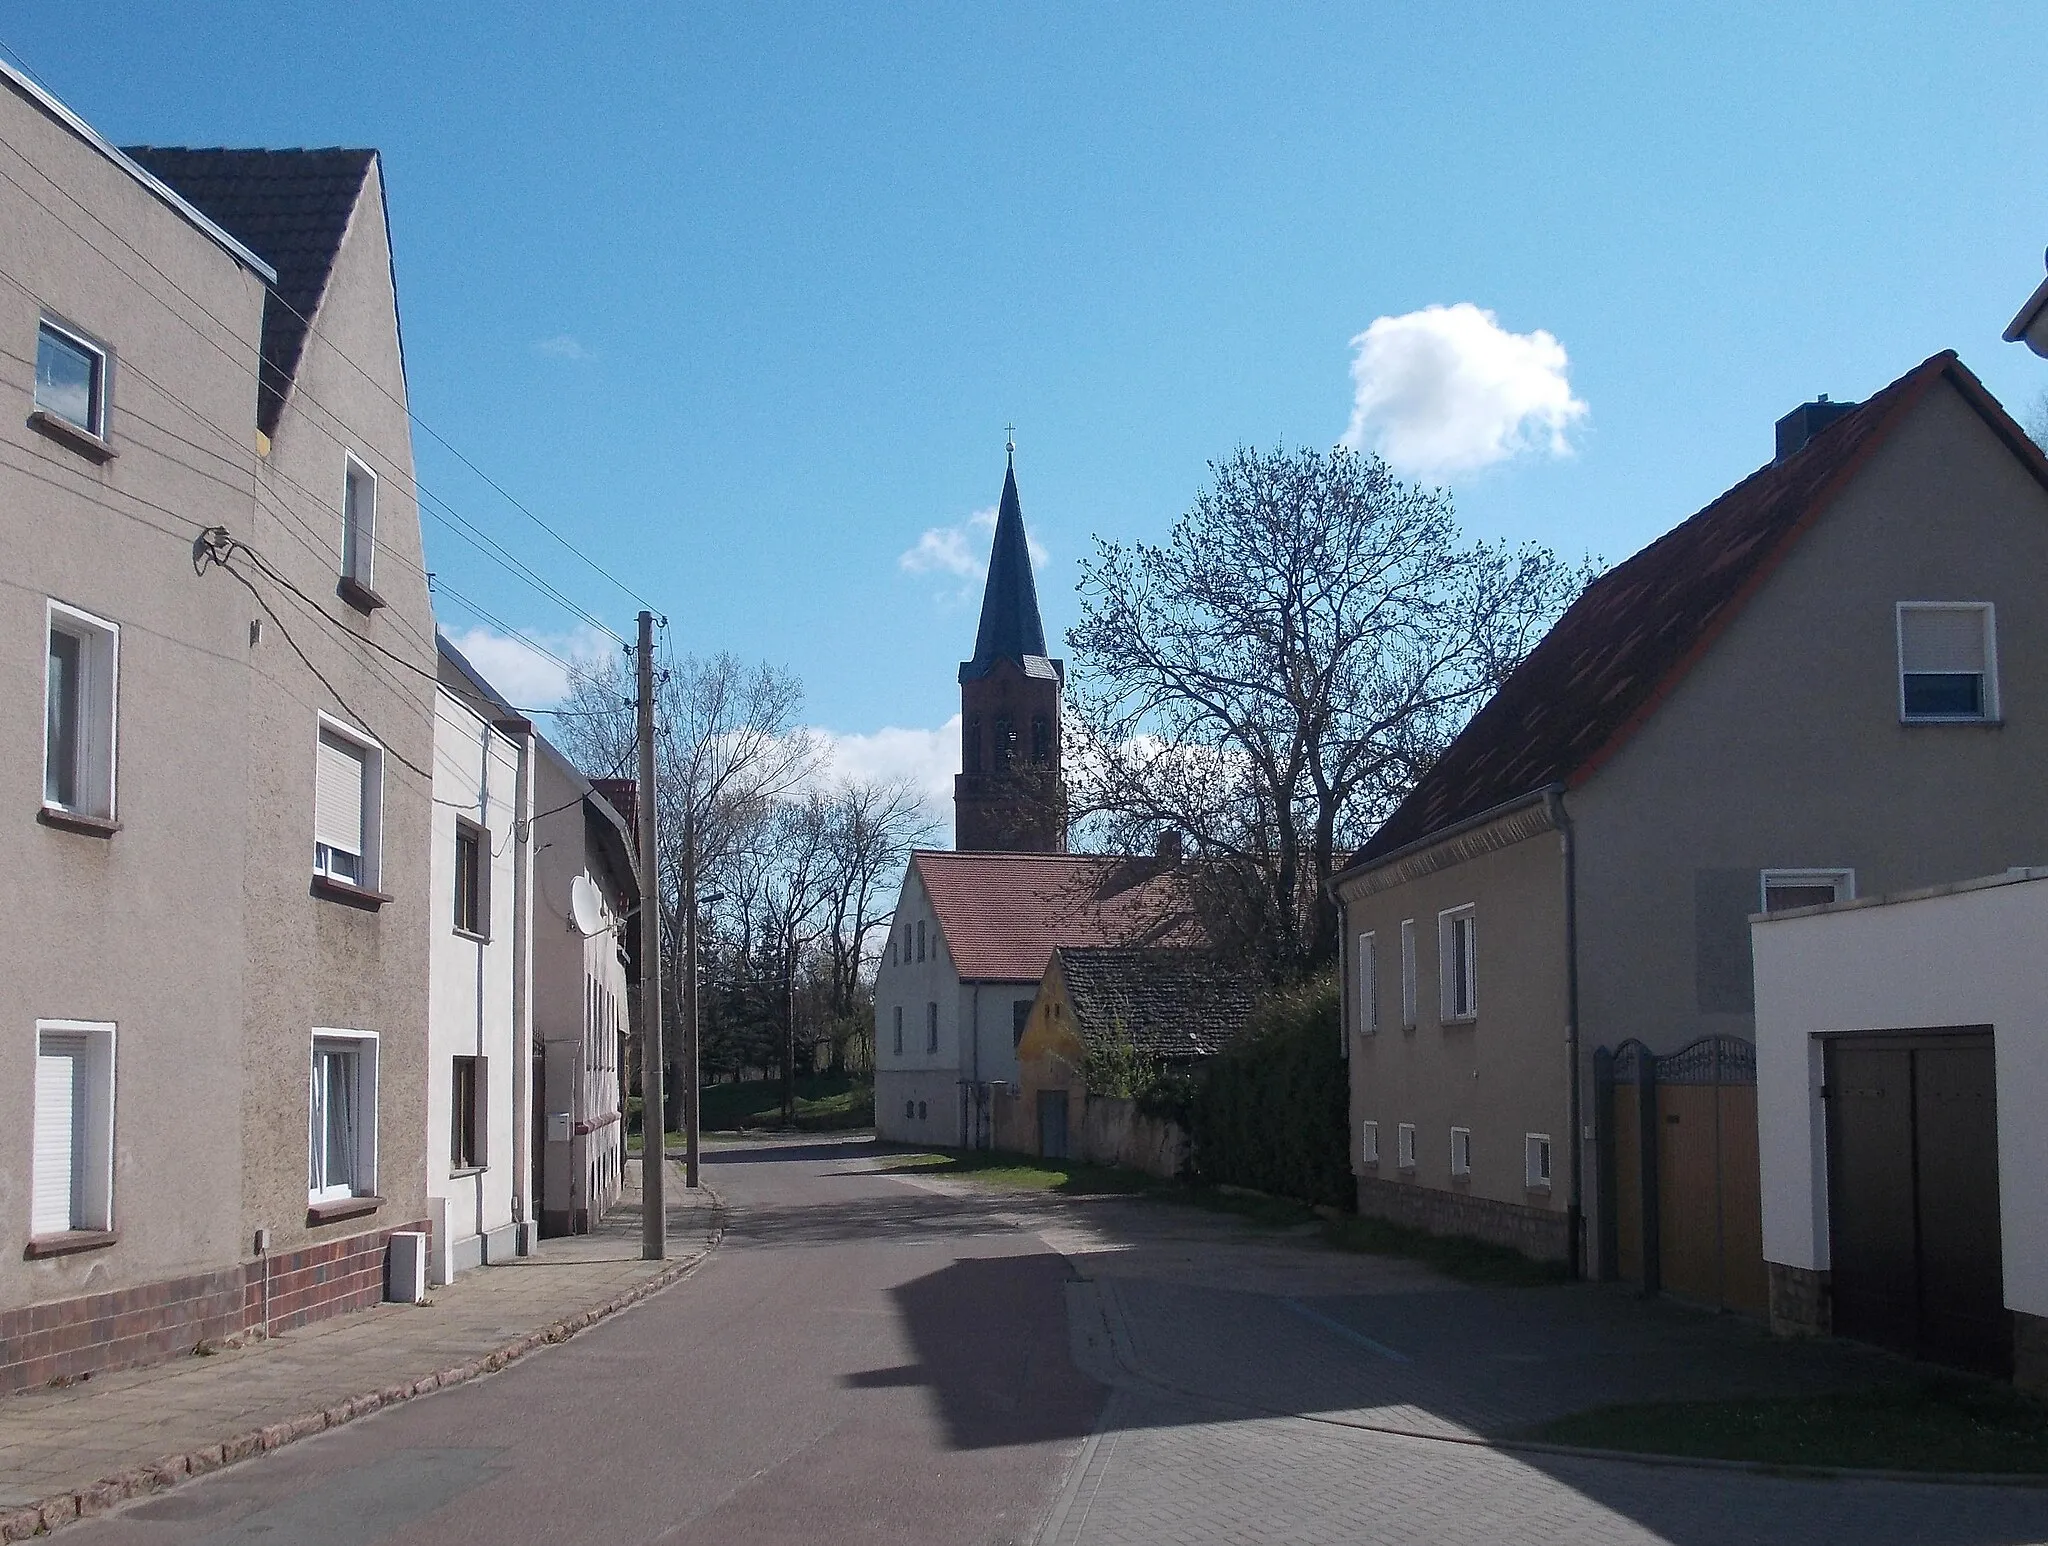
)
(1010, 625)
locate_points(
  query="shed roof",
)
(1169, 1003)
(1624, 645)
(1003, 914)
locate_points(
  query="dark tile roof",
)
(1011, 628)
(1623, 646)
(289, 207)
(1170, 1003)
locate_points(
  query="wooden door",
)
(1052, 1124)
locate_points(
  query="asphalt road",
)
(862, 1360)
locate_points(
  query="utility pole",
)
(653, 1205)
(692, 1073)
(789, 1041)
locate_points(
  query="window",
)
(1368, 986)
(79, 691)
(1407, 974)
(1461, 1151)
(342, 1131)
(921, 1111)
(1404, 1145)
(1006, 744)
(1369, 1143)
(1041, 740)
(1948, 661)
(931, 1027)
(471, 913)
(466, 1137)
(970, 744)
(71, 379)
(358, 522)
(920, 939)
(899, 1030)
(346, 806)
(910, 1110)
(71, 1184)
(1020, 1016)
(1536, 1161)
(1784, 890)
(1457, 965)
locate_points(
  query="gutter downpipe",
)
(525, 1218)
(1575, 1212)
(971, 1126)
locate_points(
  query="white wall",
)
(1966, 956)
(472, 982)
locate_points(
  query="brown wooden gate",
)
(1681, 1199)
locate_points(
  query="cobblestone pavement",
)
(58, 1440)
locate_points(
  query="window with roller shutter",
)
(347, 788)
(1948, 662)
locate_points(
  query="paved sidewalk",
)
(67, 1441)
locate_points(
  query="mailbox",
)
(560, 1128)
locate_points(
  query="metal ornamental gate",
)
(1681, 1198)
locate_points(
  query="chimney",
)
(1167, 848)
(1799, 426)
(619, 794)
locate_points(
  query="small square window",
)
(1407, 974)
(342, 1125)
(466, 1137)
(1948, 661)
(1461, 1151)
(1368, 986)
(899, 1030)
(472, 913)
(1457, 940)
(1369, 1143)
(1536, 1161)
(79, 691)
(358, 522)
(1404, 1145)
(71, 379)
(931, 1027)
(71, 1181)
(1784, 890)
(347, 806)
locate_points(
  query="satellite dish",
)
(586, 906)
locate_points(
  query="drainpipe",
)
(1575, 1212)
(523, 1136)
(974, 1073)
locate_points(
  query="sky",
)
(739, 299)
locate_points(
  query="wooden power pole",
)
(692, 1070)
(653, 1116)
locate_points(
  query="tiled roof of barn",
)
(1168, 1003)
(292, 209)
(1622, 647)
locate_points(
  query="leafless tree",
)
(870, 828)
(1270, 682)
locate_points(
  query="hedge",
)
(1272, 1113)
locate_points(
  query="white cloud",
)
(928, 758)
(565, 346)
(523, 673)
(1447, 389)
(962, 552)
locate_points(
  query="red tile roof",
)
(1003, 914)
(1625, 644)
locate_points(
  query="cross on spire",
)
(1010, 432)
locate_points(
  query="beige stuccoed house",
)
(1832, 680)
(214, 994)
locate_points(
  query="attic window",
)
(71, 379)
(1948, 662)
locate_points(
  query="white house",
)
(1902, 1064)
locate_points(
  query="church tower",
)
(1009, 796)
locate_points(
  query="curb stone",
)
(29, 1520)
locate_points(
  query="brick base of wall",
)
(1540, 1233)
(66, 1338)
(1802, 1301)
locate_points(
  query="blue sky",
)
(741, 297)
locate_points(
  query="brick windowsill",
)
(341, 1208)
(353, 896)
(69, 1243)
(76, 821)
(65, 432)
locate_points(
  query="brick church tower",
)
(1009, 796)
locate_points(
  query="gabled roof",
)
(1168, 1003)
(1004, 913)
(1011, 628)
(292, 207)
(1625, 644)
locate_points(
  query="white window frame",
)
(1538, 1161)
(1457, 992)
(1404, 1146)
(95, 755)
(1843, 880)
(1991, 708)
(358, 547)
(1369, 1144)
(1408, 1021)
(92, 1140)
(1461, 1153)
(365, 1045)
(102, 376)
(1368, 984)
(373, 804)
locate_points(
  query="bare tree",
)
(870, 828)
(1271, 681)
